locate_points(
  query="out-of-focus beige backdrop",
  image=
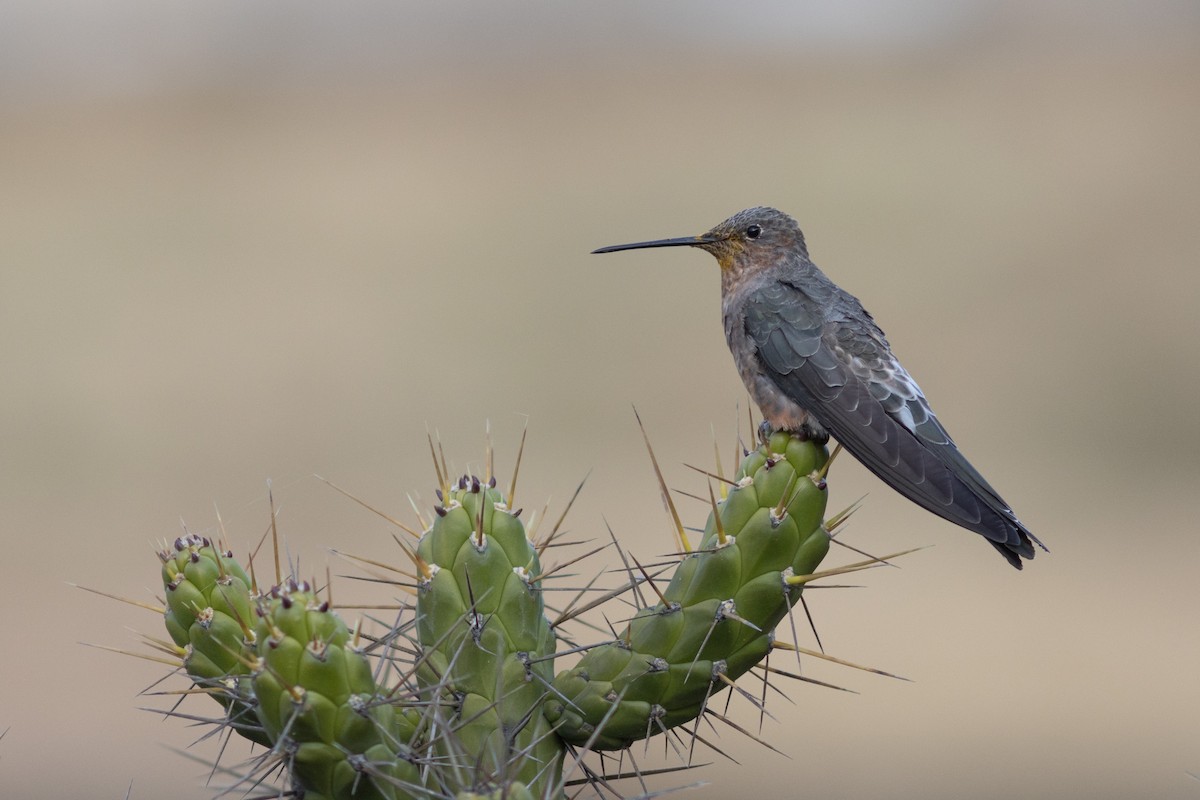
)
(242, 242)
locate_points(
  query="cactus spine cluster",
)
(459, 698)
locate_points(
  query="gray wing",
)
(827, 354)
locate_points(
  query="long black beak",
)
(690, 241)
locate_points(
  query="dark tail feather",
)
(941, 481)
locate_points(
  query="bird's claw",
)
(814, 433)
(765, 431)
(809, 431)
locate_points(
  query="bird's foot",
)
(809, 431)
(765, 432)
(813, 432)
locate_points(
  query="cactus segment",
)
(488, 645)
(717, 613)
(316, 697)
(284, 667)
(209, 615)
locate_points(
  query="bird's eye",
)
(753, 232)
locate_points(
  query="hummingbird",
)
(817, 365)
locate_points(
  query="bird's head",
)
(752, 238)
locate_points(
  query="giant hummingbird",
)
(817, 365)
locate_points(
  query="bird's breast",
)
(780, 410)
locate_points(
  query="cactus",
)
(713, 622)
(316, 698)
(459, 698)
(209, 617)
(488, 647)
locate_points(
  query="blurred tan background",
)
(252, 241)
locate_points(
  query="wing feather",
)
(843, 372)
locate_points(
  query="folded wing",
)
(839, 367)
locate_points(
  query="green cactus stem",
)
(209, 614)
(458, 700)
(488, 647)
(714, 621)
